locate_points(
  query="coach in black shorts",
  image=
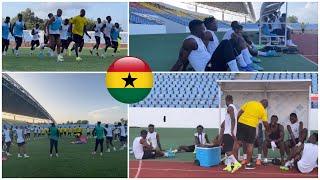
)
(248, 119)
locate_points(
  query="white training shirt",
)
(137, 148)
(36, 35)
(200, 57)
(107, 29)
(212, 46)
(123, 131)
(309, 158)
(7, 137)
(64, 34)
(152, 137)
(201, 137)
(227, 35)
(109, 130)
(20, 138)
(97, 29)
(227, 121)
(295, 129)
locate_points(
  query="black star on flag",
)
(129, 80)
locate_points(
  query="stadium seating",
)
(193, 90)
(184, 90)
(151, 11)
(140, 19)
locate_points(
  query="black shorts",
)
(77, 38)
(220, 58)
(98, 39)
(246, 133)
(115, 43)
(18, 40)
(65, 43)
(149, 155)
(88, 133)
(21, 144)
(5, 41)
(107, 40)
(35, 42)
(190, 148)
(45, 39)
(227, 143)
(109, 138)
(123, 138)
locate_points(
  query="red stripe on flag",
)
(129, 64)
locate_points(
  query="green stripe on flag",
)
(129, 95)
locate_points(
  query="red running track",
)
(307, 45)
(176, 169)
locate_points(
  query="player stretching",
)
(97, 34)
(35, 38)
(17, 31)
(6, 26)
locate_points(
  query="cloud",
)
(109, 114)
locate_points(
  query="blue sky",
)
(118, 11)
(73, 96)
(305, 11)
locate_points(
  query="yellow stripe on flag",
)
(144, 79)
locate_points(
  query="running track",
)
(176, 169)
(307, 45)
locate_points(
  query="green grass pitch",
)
(27, 62)
(75, 160)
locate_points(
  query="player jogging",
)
(109, 137)
(35, 38)
(106, 29)
(17, 31)
(6, 27)
(21, 142)
(53, 26)
(115, 35)
(65, 35)
(78, 25)
(97, 34)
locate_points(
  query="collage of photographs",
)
(171, 89)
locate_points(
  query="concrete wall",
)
(147, 29)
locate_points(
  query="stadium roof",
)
(238, 7)
(16, 100)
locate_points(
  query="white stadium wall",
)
(187, 117)
(147, 29)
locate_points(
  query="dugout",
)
(284, 96)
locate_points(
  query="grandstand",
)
(189, 90)
(19, 105)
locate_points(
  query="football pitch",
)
(27, 62)
(75, 160)
(161, 52)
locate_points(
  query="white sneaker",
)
(114, 149)
(50, 155)
(265, 161)
(57, 155)
(8, 154)
(108, 150)
(93, 153)
(101, 154)
(60, 58)
(4, 53)
(26, 156)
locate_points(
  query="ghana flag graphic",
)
(129, 80)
